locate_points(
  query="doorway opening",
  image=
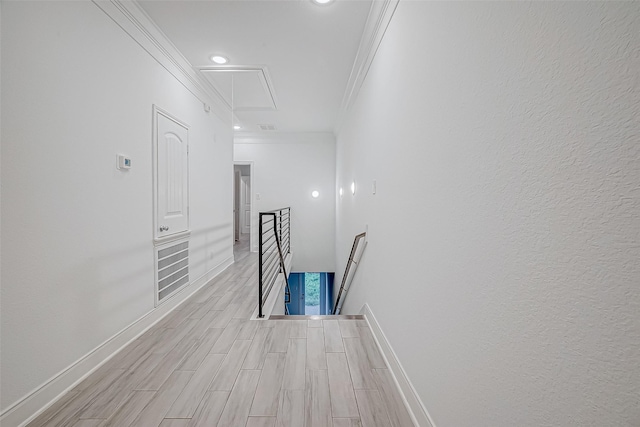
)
(311, 293)
(242, 205)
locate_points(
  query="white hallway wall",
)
(77, 253)
(505, 236)
(287, 168)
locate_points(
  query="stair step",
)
(316, 317)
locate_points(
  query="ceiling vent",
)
(267, 127)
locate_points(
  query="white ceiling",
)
(290, 60)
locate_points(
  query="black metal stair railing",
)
(349, 272)
(274, 244)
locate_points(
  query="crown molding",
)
(134, 21)
(283, 137)
(380, 15)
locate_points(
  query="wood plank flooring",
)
(207, 364)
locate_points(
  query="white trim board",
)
(134, 21)
(36, 402)
(253, 245)
(277, 137)
(264, 78)
(412, 401)
(380, 15)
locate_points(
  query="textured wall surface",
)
(503, 257)
(77, 251)
(287, 168)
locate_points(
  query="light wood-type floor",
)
(207, 364)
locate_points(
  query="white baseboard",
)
(418, 412)
(36, 402)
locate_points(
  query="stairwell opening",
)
(311, 293)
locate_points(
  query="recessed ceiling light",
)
(322, 2)
(341, 192)
(315, 194)
(237, 127)
(219, 59)
(353, 187)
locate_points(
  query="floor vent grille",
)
(172, 269)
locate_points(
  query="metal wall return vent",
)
(267, 127)
(172, 269)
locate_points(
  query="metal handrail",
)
(275, 225)
(343, 286)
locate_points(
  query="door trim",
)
(237, 185)
(245, 198)
(154, 150)
(253, 244)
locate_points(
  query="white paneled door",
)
(172, 176)
(246, 204)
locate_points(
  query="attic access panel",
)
(243, 88)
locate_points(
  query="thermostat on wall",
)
(124, 162)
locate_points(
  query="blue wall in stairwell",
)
(296, 286)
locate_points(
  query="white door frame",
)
(245, 199)
(253, 230)
(157, 240)
(237, 184)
